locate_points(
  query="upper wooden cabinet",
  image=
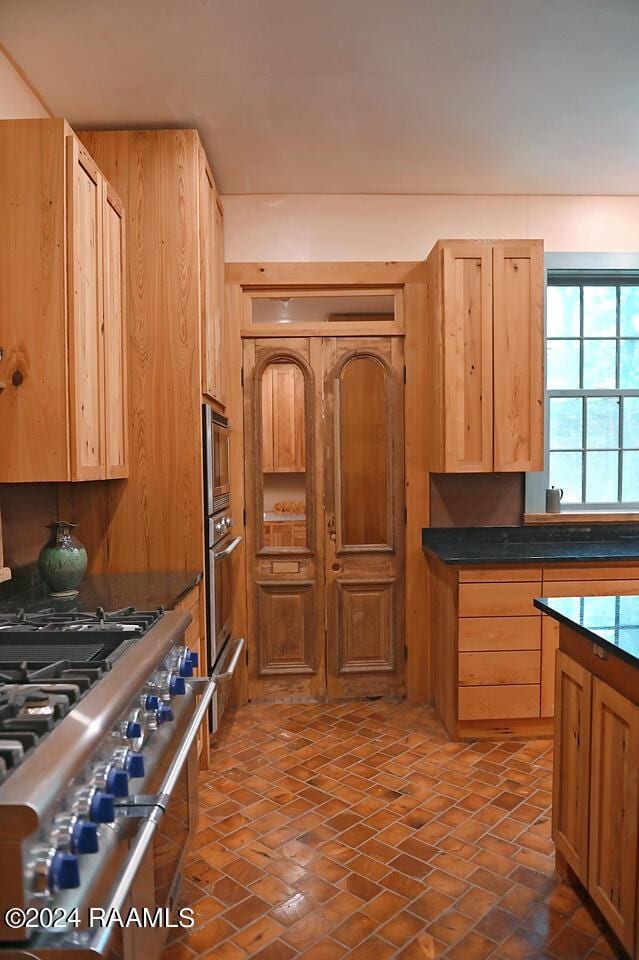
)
(211, 283)
(283, 419)
(62, 310)
(486, 343)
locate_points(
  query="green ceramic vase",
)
(62, 560)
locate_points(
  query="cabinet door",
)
(614, 810)
(267, 420)
(518, 350)
(218, 299)
(571, 780)
(116, 424)
(467, 343)
(288, 418)
(86, 345)
(207, 276)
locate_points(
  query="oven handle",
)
(99, 942)
(233, 545)
(230, 670)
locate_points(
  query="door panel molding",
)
(285, 617)
(375, 601)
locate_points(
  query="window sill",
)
(584, 517)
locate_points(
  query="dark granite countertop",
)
(611, 622)
(111, 591)
(538, 543)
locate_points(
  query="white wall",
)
(17, 100)
(366, 227)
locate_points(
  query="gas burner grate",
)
(40, 654)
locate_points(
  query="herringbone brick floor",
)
(359, 830)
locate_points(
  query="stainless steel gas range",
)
(98, 778)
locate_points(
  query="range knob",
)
(133, 728)
(74, 833)
(93, 803)
(151, 702)
(164, 713)
(112, 779)
(228, 522)
(129, 761)
(219, 526)
(53, 870)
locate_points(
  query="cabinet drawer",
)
(519, 573)
(497, 669)
(498, 599)
(507, 702)
(590, 588)
(500, 633)
(584, 572)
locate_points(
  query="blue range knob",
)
(133, 730)
(152, 702)
(186, 668)
(193, 658)
(85, 837)
(102, 809)
(64, 873)
(176, 686)
(164, 713)
(135, 765)
(117, 783)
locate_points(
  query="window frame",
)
(581, 269)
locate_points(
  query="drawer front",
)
(507, 702)
(498, 599)
(500, 633)
(497, 669)
(587, 572)
(520, 573)
(590, 588)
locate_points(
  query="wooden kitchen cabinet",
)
(571, 784)
(211, 283)
(63, 397)
(596, 778)
(283, 419)
(486, 329)
(614, 809)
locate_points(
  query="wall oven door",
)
(217, 478)
(221, 578)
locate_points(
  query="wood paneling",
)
(155, 520)
(283, 419)
(497, 599)
(286, 627)
(211, 235)
(614, 810)
(571, 782)
(339, 273)
(497, 702)
(33, 365)
(366, 624)
(476, 499)
(479, 669)
(116, 421)
(442, 630)
(518, 345)
(500, 633)
(549, 647)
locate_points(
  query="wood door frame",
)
(410, 277)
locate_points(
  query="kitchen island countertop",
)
(610, 622)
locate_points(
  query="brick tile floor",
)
(359, 830)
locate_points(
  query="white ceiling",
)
(356, 96)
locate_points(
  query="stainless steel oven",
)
(221, 576)
(217, 476)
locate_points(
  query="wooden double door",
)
(326, 607)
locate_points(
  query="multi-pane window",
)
(592, 382)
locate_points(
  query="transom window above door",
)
(592, 385)
(298, 308)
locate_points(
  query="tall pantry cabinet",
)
(63, 392)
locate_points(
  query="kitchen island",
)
(492, 654)
(596, 757)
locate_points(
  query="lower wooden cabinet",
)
(493, 653)
(596, 790)
(571, 783)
